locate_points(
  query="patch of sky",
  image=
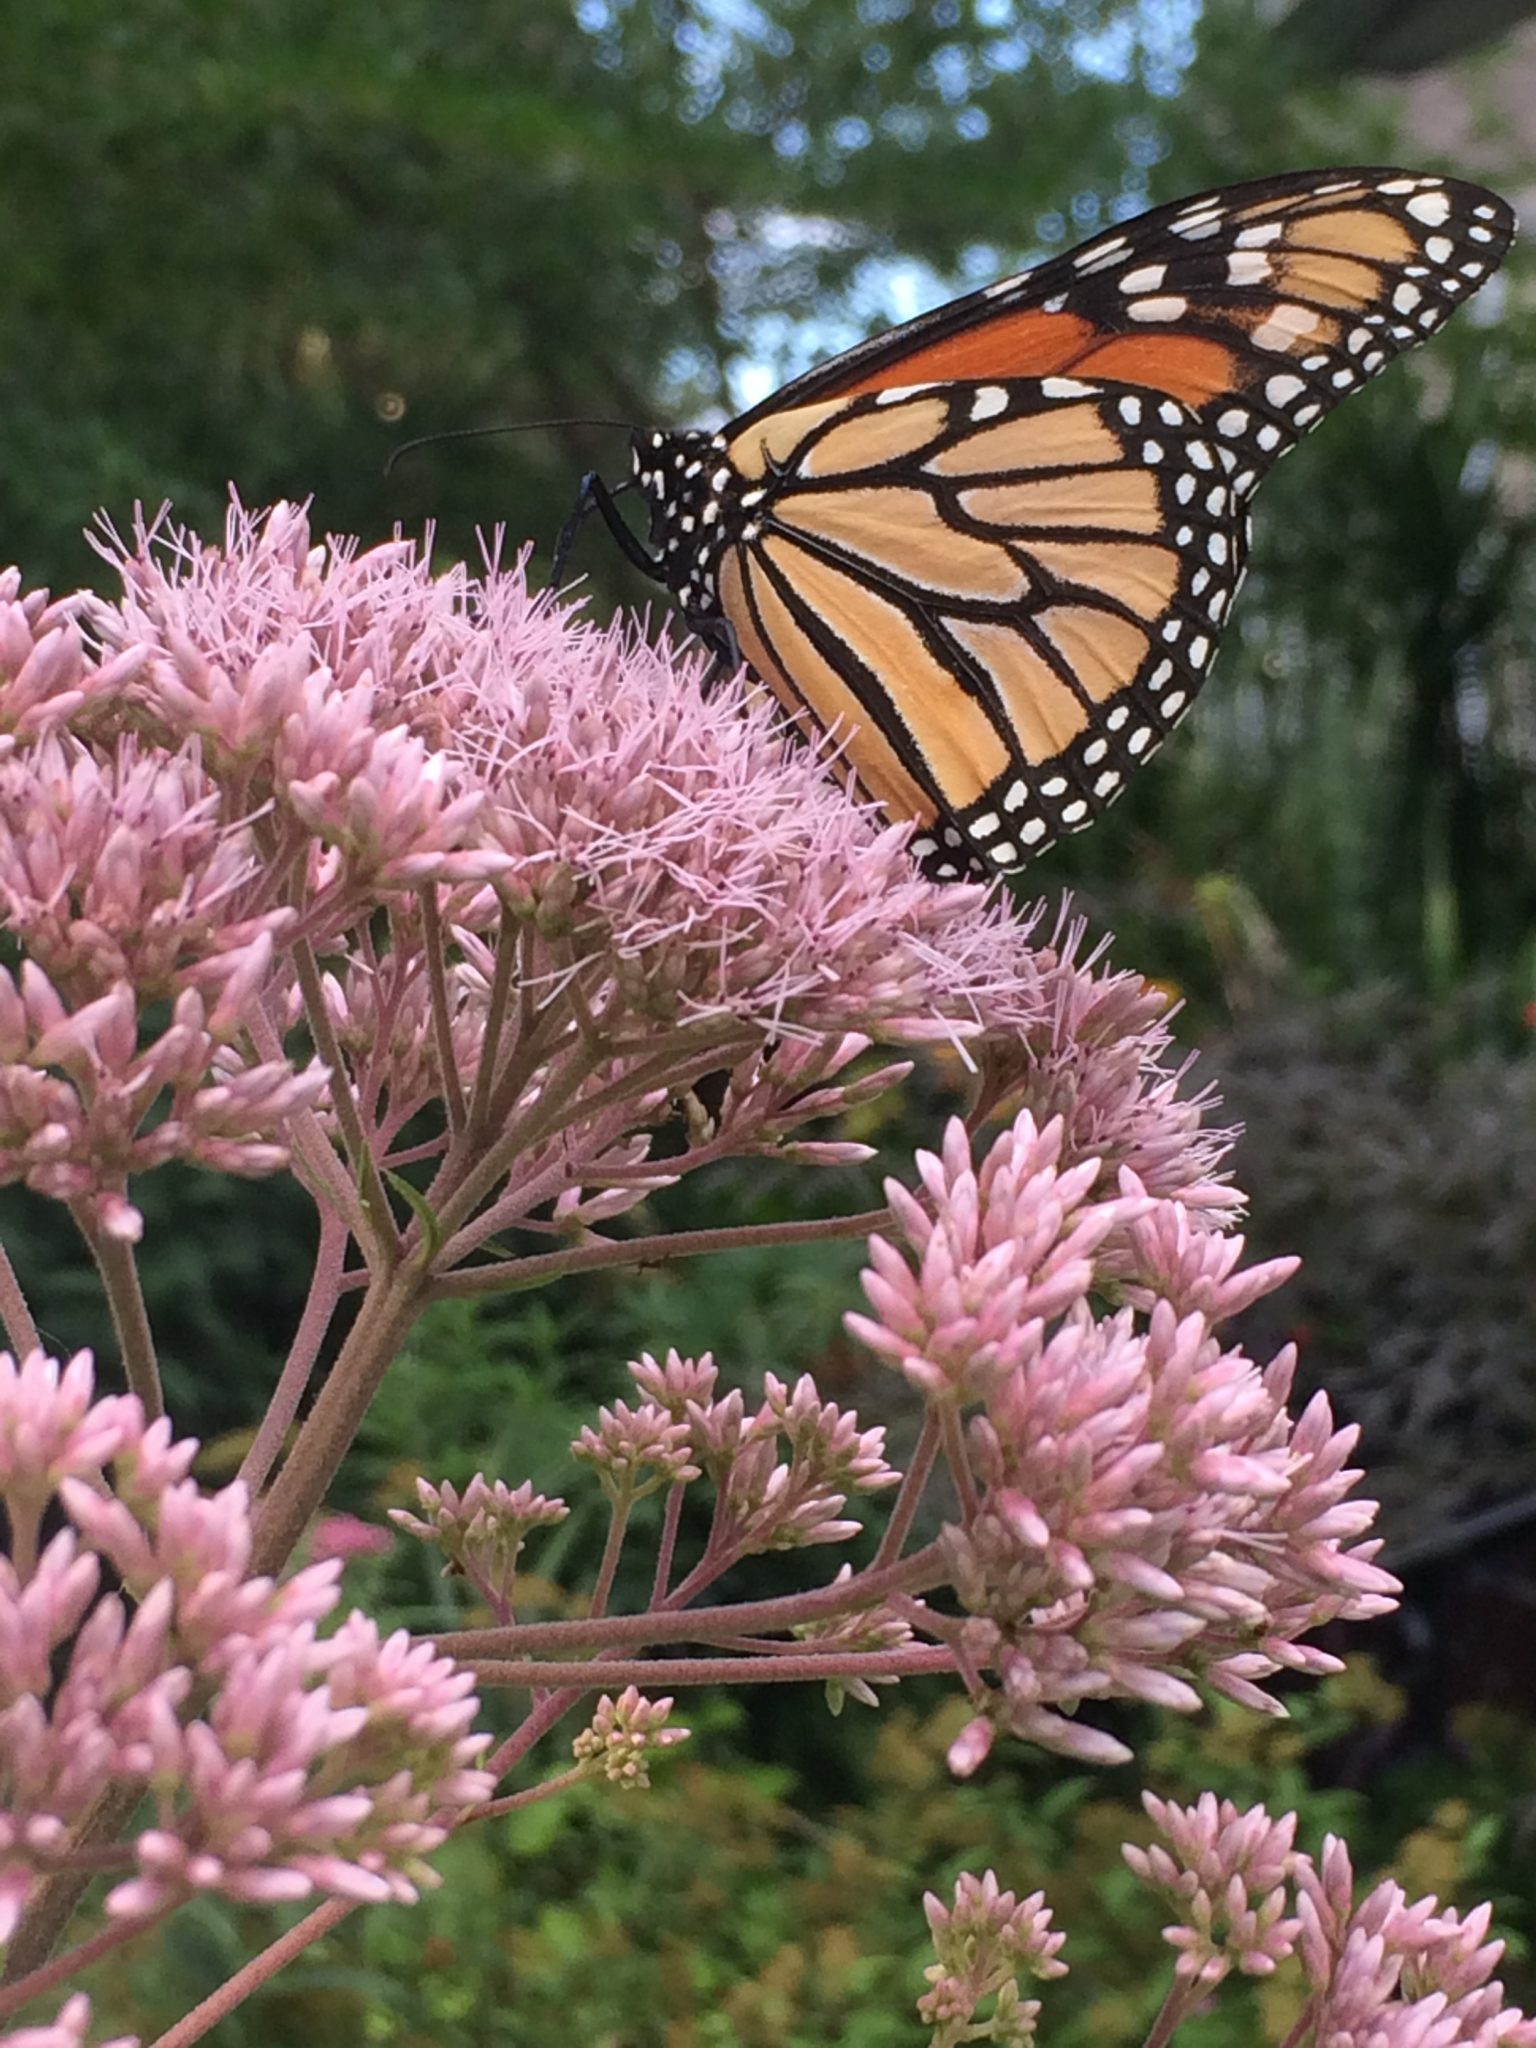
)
(1110, 41)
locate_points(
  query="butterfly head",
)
(691, 490)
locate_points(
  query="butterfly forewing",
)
(991, 552)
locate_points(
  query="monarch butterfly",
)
(992, 550)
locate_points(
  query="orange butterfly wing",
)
(992, 550)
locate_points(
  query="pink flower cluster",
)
(782, 1475)
(622, 1733)
(278, 1762)
(985, 1940)
(1147, 1513)
(481, 1531)
(1381, 1973)
(452, 789)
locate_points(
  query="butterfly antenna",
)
(512, 427)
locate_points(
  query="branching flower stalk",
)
(428, 892)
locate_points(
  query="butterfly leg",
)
(719, 636)
(595, 496)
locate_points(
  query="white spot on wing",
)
(1247, 266)
(1283, 327)
(1433, 208)
(1169, 308)
(990, 400)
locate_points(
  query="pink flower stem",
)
(1172, 2013)
(495, 1808)
(916, 1573)
(534, 1726)
(275, 1956)
(795, 1667)
(959, 1463)
(53, 1905)
(466, 1181)
(14, 1313)
(508, 948)
(319, 1307)
(388, 1310)
(442, 1023)
(618, 1523)
(22, 1990)
(130, 1319)
(380, 1235)
(517, 1276)
(316, 1165)
(671, 1520)
(913, 1482)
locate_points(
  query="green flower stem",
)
(1172, 2013)
(495, 1808)
(509, 944)
(958, 1461)
(671, 1520)
(52, 1907)
(914, 1481)
(617, 1525)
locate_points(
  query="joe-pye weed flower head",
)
(632, 881)
(277, 1761)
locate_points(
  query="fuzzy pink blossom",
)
(1150, 1514)
(1225, 1872)
(46, 676)
(446, 786)
(990, 1254)
(783, 1474)
(277, 1761)
(1393, 1973)
(635, 1450)
(348, 1536)
(1385, 1972)
(677, 1382)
